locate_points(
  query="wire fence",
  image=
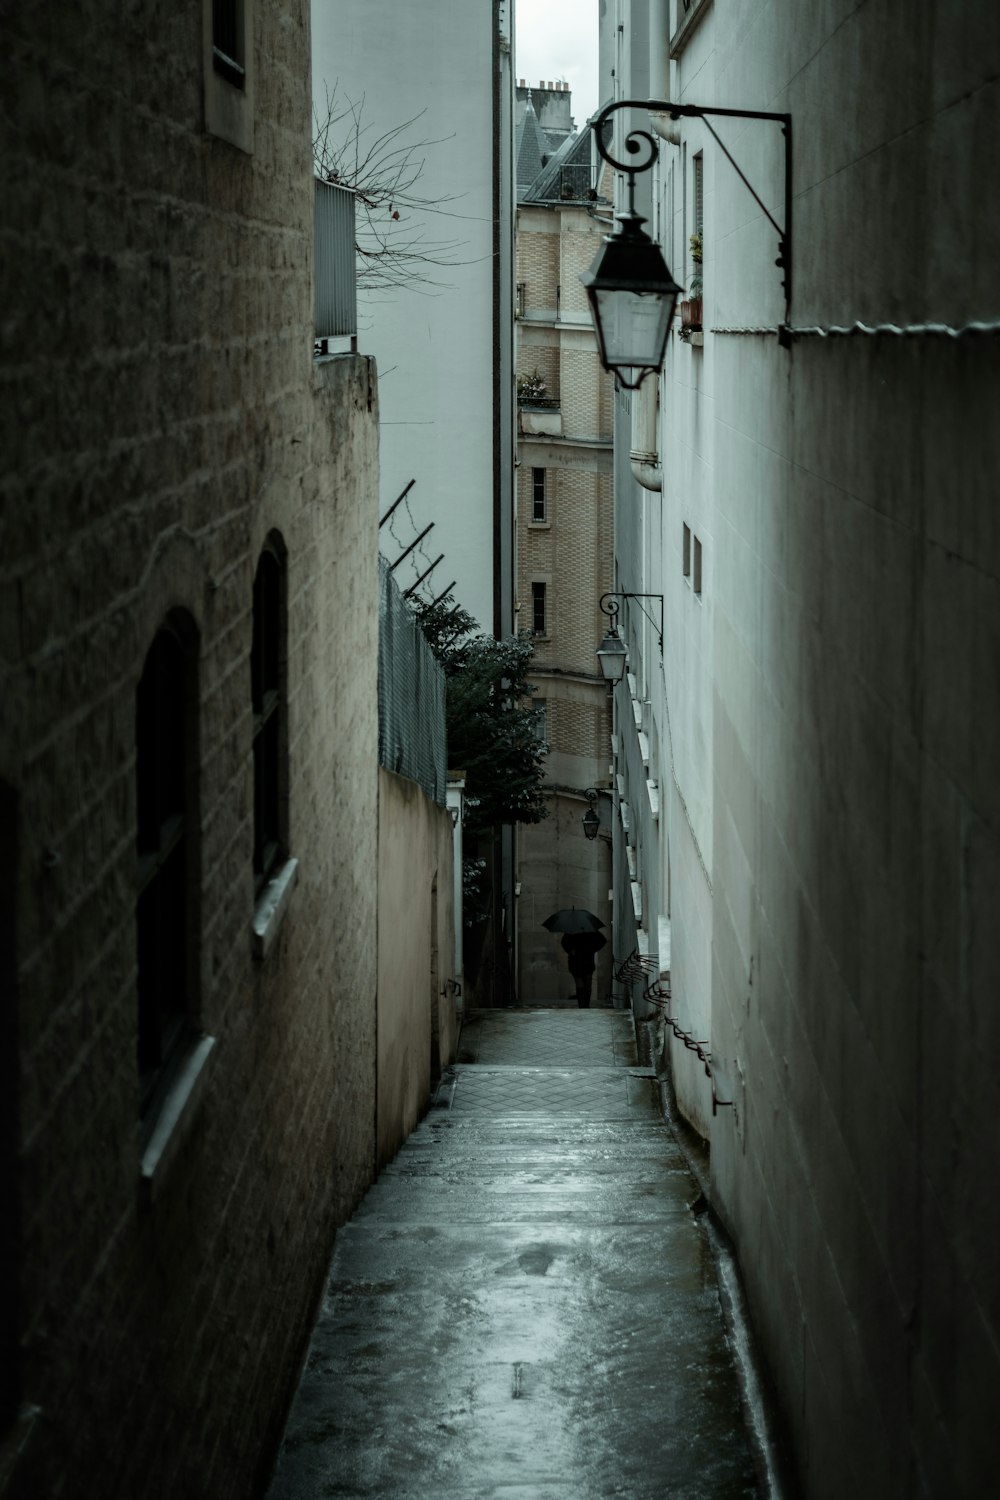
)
(411, 695)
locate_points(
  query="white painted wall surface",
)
(434, 351)
(834, 723)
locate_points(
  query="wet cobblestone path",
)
(524, 1304)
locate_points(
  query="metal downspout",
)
(644, 455)
(659, 69)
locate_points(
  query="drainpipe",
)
(659, 69)
(644, 455)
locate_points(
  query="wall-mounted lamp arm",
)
(608, 606)
(638, 140)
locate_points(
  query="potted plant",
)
(531, 388)
(691, 309)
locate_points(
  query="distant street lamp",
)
(612, 652)
(591, 820)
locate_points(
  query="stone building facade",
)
(564, 555)
(810, 768)
(188, 757)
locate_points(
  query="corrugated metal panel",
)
(336, 302)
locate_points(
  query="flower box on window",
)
(691, 314)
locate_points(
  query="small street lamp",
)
(612, 653)
(591, 819)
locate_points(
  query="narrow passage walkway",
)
(524, 1305)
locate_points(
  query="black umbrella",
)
(572, 919)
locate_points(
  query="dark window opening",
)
(228, 53)
(540, 707)
(538, 494)
(165, 738)
(267, 694)
(696, 579)
(686, 554)
(538, 608)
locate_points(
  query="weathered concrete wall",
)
(163, 417)
(829, 721)
(417, 1016)
(856, 751)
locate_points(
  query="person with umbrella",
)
(581, 942)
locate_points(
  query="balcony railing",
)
(577, 182)
(335, 296)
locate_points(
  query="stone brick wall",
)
(572, 553)
(538, 260)
(164, 416)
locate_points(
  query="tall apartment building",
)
(564, 539)
(809, 769)
(445, 349)
(188, 754)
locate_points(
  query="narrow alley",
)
(525, 1304)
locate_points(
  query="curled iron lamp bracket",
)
(640, 142)
(608, 605)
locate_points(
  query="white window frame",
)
(229, 107)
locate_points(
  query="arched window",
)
(166, 739)
(267, 681)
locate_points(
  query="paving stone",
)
(524, 1304)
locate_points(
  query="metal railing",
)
(335, 286)
(577, 182)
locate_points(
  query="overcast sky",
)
(558, 39)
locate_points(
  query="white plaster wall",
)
(676, 697)
(435, 352)
(833, 719)
(855, 822)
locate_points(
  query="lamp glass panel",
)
(634, 326)
(611, 654)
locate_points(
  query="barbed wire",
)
(419, 560)
(870, 330)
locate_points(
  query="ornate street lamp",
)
(612, 653)
(630, 288)
(591, 819)
(632, 296)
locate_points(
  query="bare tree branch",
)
(392, 244)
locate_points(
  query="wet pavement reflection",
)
(525, 1305)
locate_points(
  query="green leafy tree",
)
(492, 732)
